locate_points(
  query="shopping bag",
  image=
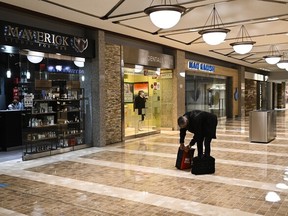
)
(184, 159)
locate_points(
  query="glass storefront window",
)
(54, 115)
(206, 93)
(142, 112)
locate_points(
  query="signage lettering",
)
(26, 37)
(154, 59)
(201, 66)
(36, 36)
(149, 58)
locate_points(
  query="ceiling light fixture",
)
(8, 72)
(244, 43)
(79, 62)
(273, 56)
(273, 18)
(28, 74)
(35, 57)
(138, 68)
(165, 15)
(216, 34)
(182, 74)
(283, 63)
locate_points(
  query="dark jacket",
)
(201, 124)
(139, 102)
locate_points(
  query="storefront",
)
(211, 88)
(150, 73)
(44, 70)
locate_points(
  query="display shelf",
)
(55, 122)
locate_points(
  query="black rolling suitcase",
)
(205, 165)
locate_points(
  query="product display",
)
(56, 119)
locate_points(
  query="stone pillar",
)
(113, 95)
(178, 87)
(95, 93)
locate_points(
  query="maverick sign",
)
(25, 37)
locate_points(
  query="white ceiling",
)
(127, 17)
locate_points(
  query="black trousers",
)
(207, 142)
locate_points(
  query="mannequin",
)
(139, 103)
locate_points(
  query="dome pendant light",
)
(273, 56)
(214, 35)
(35, 57)
(283, 63)
(79, 61)
(244, 44)
(165, 16)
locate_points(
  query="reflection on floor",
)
(139, 177)
(131, 132)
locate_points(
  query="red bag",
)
(184, 159)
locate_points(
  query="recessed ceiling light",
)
(265, 69)
(273, 18)
(194, 30)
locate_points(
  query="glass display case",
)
(53, 121)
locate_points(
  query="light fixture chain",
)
(218, 18)
(243, 33)
(164, 2)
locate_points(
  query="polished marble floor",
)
(139, 177)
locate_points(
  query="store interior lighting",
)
(138, 68)
(79, 62)
(182, 74)
(243, 44)
(28, 74)
(8, 72)
(158, 71)
(165, 15)
(216, 34)
(35, 57)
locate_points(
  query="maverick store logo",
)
(24, 36)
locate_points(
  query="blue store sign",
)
(201, 66)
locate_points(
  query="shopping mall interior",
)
(139, 177)
(129, 167)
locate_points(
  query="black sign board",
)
(26, 37)
(148, 58)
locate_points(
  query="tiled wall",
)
(113, 93)
(250, 96)
(280, 95)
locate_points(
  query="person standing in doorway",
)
(139, 104)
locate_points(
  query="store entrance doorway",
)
(142, 105)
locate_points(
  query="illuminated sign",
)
(201, 66)
(26, 37)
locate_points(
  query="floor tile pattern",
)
(138, 177)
